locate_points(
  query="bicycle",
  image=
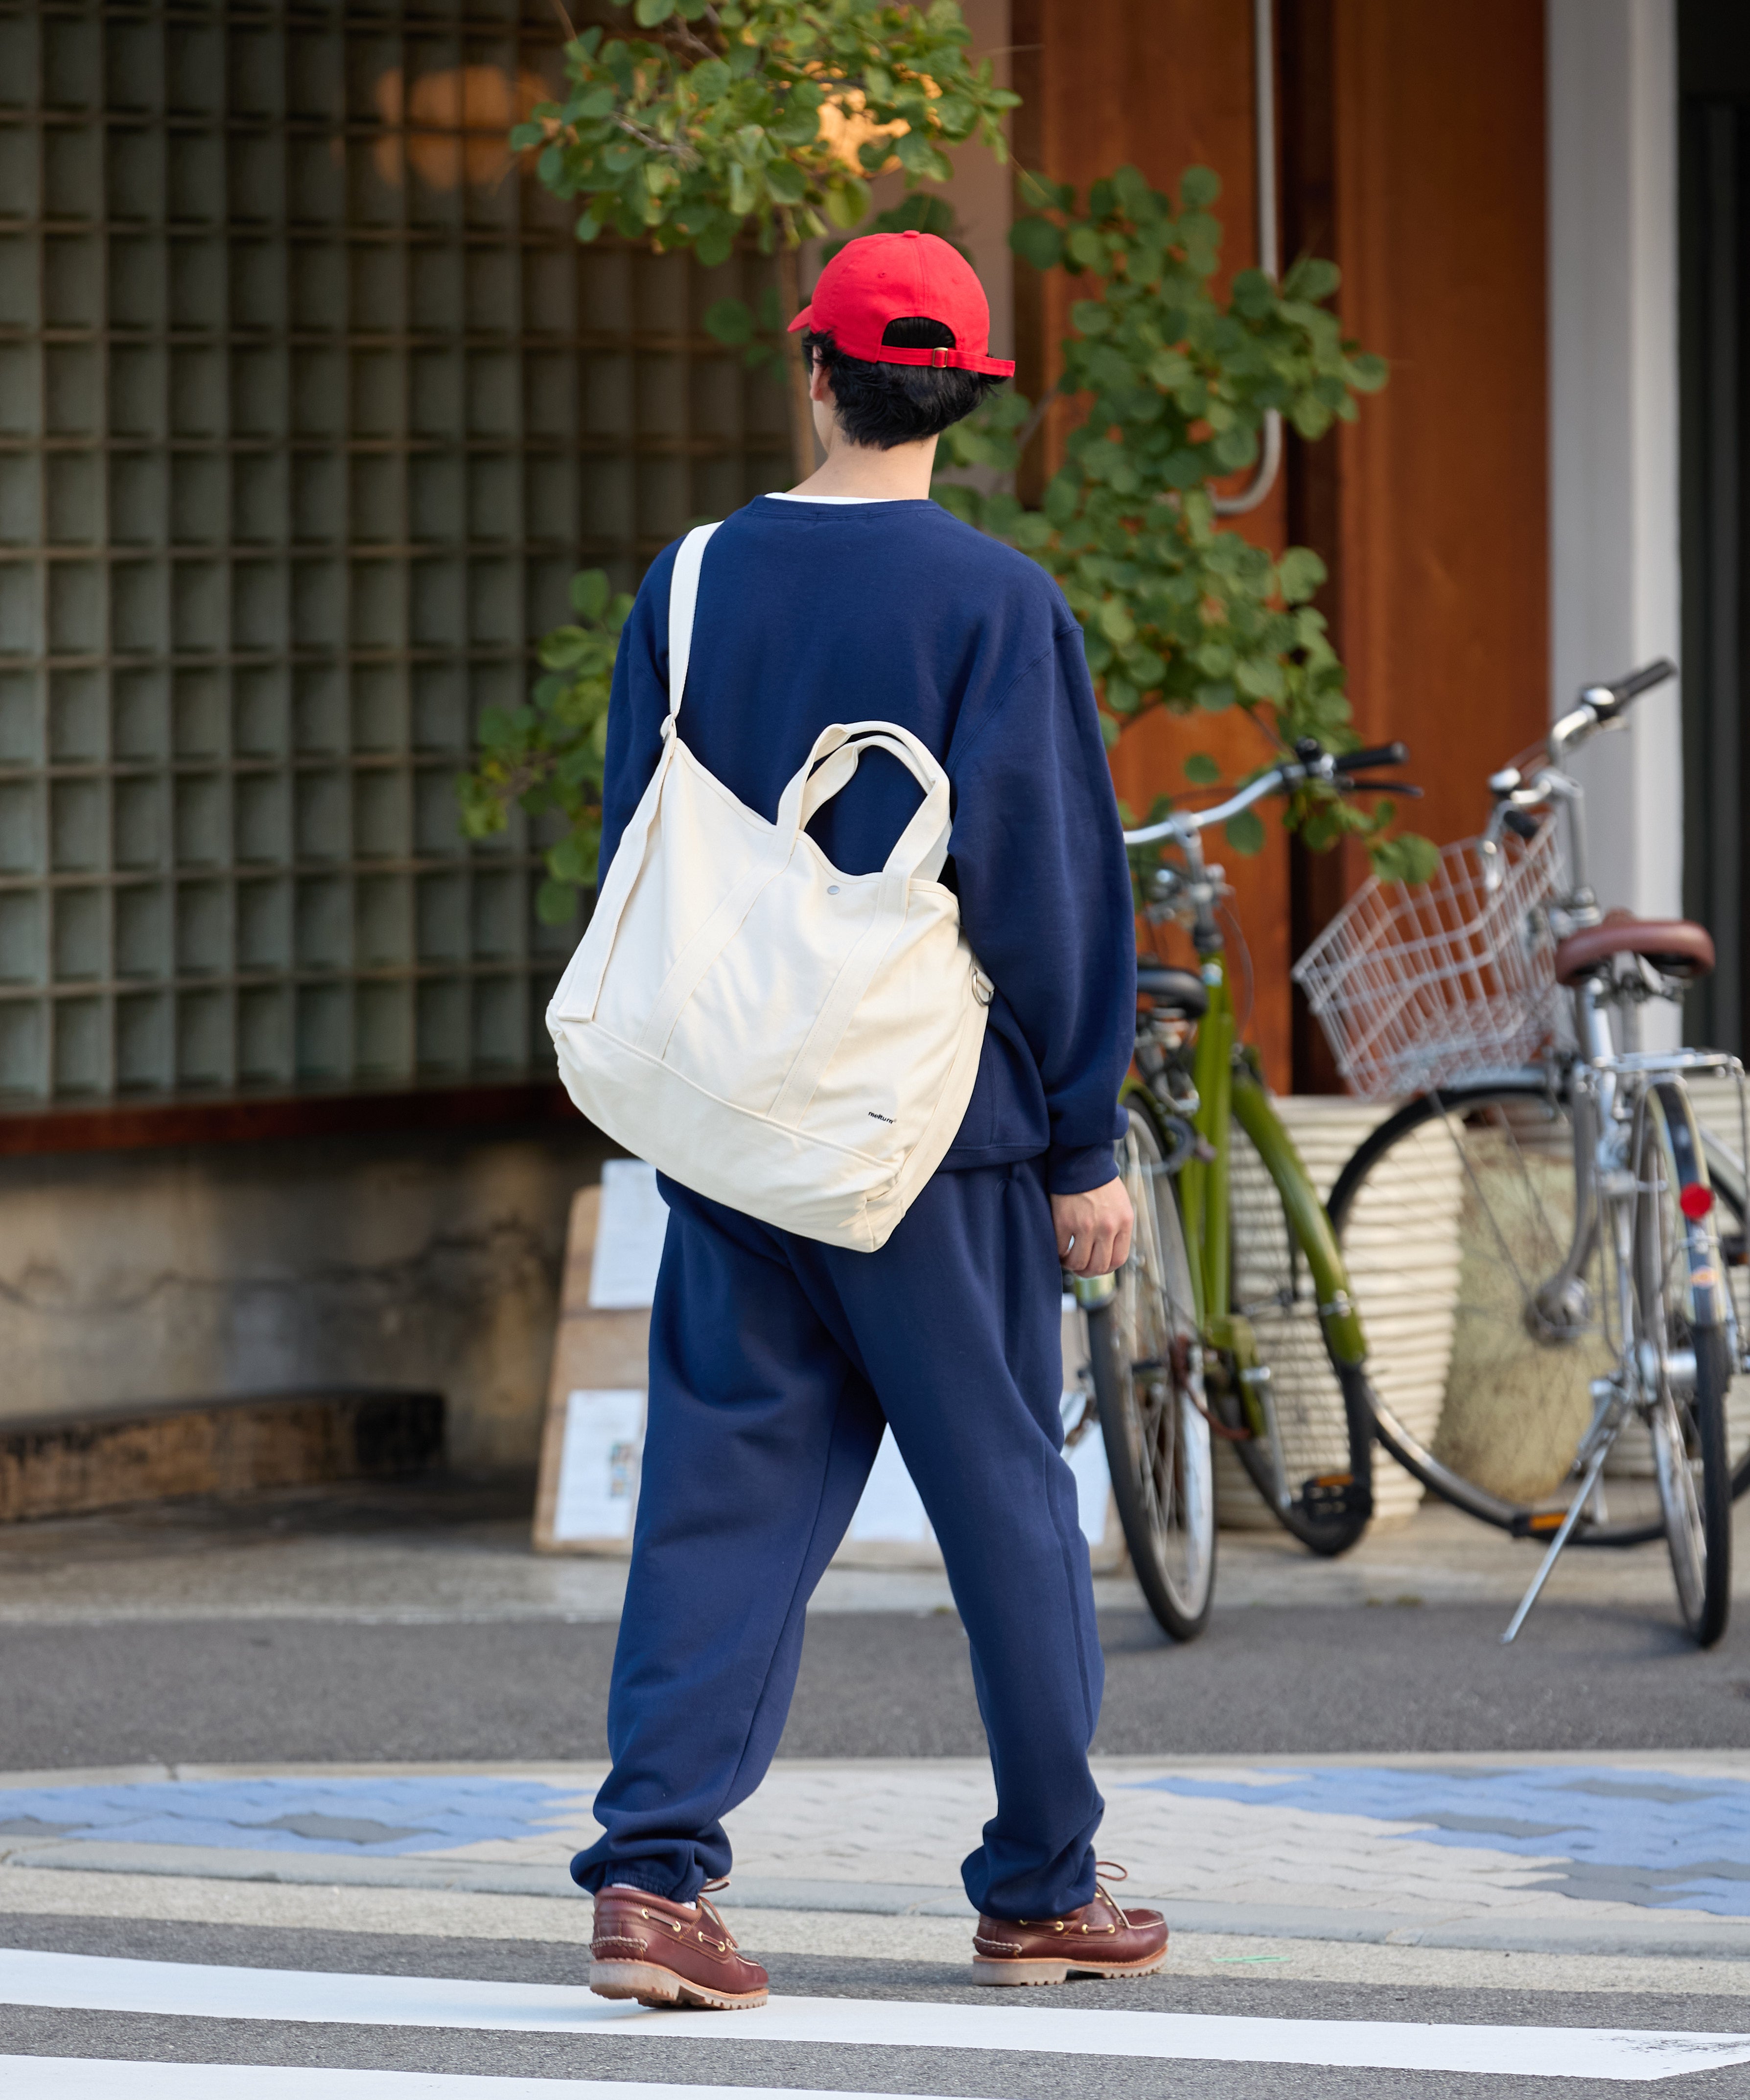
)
(1593, 1332)
(1185, 1340)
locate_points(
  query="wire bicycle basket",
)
(1414, 986)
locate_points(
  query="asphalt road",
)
(1298, 1680)
(1018, 2075)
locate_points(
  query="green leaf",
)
(1234, 448)
(1299, 573)
(730, 321)
(1201, 770)
(1116, 623)
(1130, 187)
(565, 647)
(786, 182)
(1037, 241)
(1198, 188)
(590, 592)
(1311, 279)
(915, 154)
(1245, 832)
(847, 202)
(1169, 369)
(1253, 294)
(555, 902)
(648, 13)
(1408, 859)
(1085, 247)
(1039, 193)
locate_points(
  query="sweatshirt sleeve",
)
(1045, 898)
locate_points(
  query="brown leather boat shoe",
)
(1098, 1939)
(664, 1953)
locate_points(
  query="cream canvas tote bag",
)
(797, 1043)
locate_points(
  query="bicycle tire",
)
(1146, 1358)
(1326, 1465)
(1451, 1473)
(1671, 1256)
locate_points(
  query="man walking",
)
(775, 1360)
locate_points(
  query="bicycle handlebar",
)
(1374, 754)
(1311, 763)
(1608, 702)
(1600, 705)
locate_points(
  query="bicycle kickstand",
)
(1582, 1495)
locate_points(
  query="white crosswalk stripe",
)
(102, 2078)
(100, 1983)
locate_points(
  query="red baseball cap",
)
(893, 277)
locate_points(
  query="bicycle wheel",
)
(1690, 1364)
(1148, 1386)
(1508, 1326)
(1312, 1463)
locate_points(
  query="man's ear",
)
(820, 381)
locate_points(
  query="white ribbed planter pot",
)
(1402, 1260)
(1403, 1249)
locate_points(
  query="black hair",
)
(884, 405)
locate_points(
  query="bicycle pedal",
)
(1537, 1524)
(1329, 1497)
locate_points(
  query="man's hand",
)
(1094, 1229)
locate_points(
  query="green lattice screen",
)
(308, 410)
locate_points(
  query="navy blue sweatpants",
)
(773, 1361)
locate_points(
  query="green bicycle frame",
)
(1228, 1090)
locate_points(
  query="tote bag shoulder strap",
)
(581, 993)
(683, 601)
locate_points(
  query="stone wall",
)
(411, 1259)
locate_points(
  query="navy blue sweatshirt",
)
(813, 613)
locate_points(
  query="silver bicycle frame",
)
(1608, 1090)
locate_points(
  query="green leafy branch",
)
(767, 116)
(1178, 610)
(548, 755)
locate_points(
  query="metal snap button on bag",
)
(793, 1041)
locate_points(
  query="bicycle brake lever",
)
(1382, 787)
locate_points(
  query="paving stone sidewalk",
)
(1649, 1853)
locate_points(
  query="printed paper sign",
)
(891, 1511)
(630, 1228)
(598, 1465)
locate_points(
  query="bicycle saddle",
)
(1675, 947)
(1169, 990)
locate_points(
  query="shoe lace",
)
(707, 1908)
(1117, 1874)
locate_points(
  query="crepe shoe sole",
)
(652, 1985)
(994, 1969)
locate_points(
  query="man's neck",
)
(876, 476)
